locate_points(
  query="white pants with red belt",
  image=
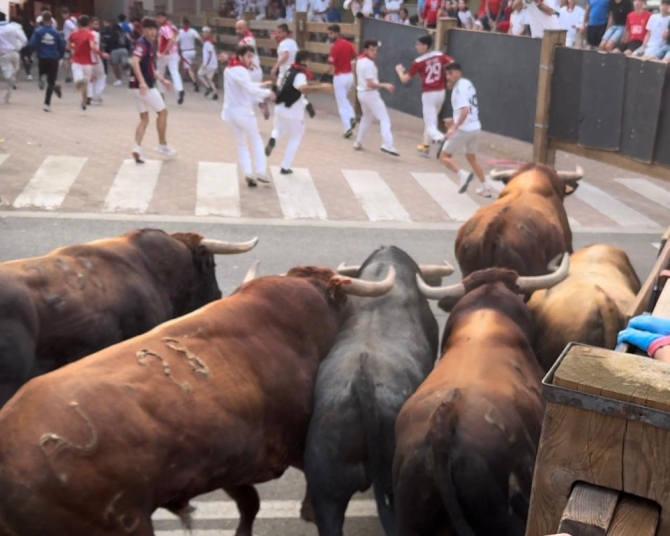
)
(373, 107)
(342, 84)
(171, 62)
(431, 103)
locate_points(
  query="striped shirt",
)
(164, 35)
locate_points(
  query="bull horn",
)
(502, 174)
(571, 175)
(436, 270)
(533, 283)
(251, 273)
(368, 289)
(219, 247)
(438, 293)
(343, 269)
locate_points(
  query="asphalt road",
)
(280, 247)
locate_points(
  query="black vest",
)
(289, 95)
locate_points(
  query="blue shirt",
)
(144, 51)
(599, 12)
(48, 43)
(333, 15)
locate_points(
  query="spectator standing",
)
(302, 5)
(465, 16)
(342, 53)
(186, 39)
(517, 20)
(430, 11)
(359, 8)
(492, 15)
(595, 20)
(372, 105)
(653, 47)
(377, 6)
(69, 25)
(209, 65)
(167, 56)
(289, 10)
(636, 28)
(392, 8)
(571, 19)
(333, 14)
(318, 10)
(618, 14)
(403, 16)
(50, 47)
(543, 15)
(119, 44)
(12, 40)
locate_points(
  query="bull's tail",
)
(610, 320)
(379, 449)
(443, 430)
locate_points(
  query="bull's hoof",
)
(307, 512)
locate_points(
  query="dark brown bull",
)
(525, 228)
(467, 439)
(590, 306)
(220, 398)
(79, 299)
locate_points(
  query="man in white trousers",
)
(430, 67)
(291, 103)
(342, 54)
(372, 105)
(240, 94)
(246, 37)
(167, 56)
(12, 40)
(98, 77)
(210, 64)
(186, 40)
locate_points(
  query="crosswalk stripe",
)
(206, 532)
(51, 182)
(133, 186)
(3, 157)
(614, 209)
(444, 192)
(297, 194)
(269, 510)
(218, 190)
(647, 189)
(377, 199)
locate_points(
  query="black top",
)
(620, 11)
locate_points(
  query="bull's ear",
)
(447, 304)
(570, 186)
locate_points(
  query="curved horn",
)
(436, 270)
(219, 247)
(533, 283)
(251, 273)
(367, 289)
(438, 293)
(343, 269)
(502, 174)
(571, 175)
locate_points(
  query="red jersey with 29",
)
(430, 67)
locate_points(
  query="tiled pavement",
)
(68, 162)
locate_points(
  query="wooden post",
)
(300, 28)
(541, 151)
(442, 32)
(358, 36)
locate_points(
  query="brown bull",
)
(220, 398)
(525, 228)
(589, 306)
(467, 439)
(79, 299)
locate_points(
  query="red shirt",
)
(165, 33)
(81, 41)
(430, 11)
(430, 67)
(341, 54)
(636, 24)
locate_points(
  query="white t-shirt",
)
(209, 59)
(393, 5)
(187, 38)
(366, 69)
(570, 21)
(297, 110)
(302, 5)
(289, 13)
(319, 6)
(464, 95)
(69, 26)
(287, 45)
(54, 22)
(656, 26)
(466, 18)
(96, 38)
(517, 22)
(540, 21)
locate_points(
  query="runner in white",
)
(240, 93)
(372, 105)
(69, 25)
(209, 65)
(98, 77)
(186, 40)
(168, 54)
(247, 39)
(463, 130)
(12, 40)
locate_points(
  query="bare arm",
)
(311, 88)
(462, 116)
(280, 61)
(373, 84)
(404, 77)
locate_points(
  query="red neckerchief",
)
(365, 55)
(207, 38)
(303, 70)
(248, 33)
(186, 27)
(234, 61)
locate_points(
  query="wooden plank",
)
(589, 511)
(320, 68)
(348, 30)
(634, 517)
(318, 48)
(223, 23)
(264, 24)
(267, 43)
(228, 39)
(267, 61)
(662, 307)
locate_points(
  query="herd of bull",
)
(333, 372)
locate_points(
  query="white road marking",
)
(656, 245)
(3, 157)
(51, 182)
(133, 186)
(218, 190)
(459, 207)
(297, 194)
(269, 510)
(374, 195)
(647, 189)
(614, 209)
(205, 532)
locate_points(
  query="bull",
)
(525, 228)
(590, 306)
(384, 350)
(79, 299)
(220, 398)
(467, 439)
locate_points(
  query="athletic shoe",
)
(29, 78)
(118, 83)
(216, 96)
(166, 150)
(464, 182)
(7, 95)
(424, 150)
(263, 179)
(89, 100)
(390, 150)
(484, 191)
(196, 87)
(138, 155)
(269, 147)
(181, 97)
(58, 92)
(46, 108)
(358, 146)
(251, 182)
(284, 171)
(209, 90)
(42, 84)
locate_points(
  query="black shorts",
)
(594, 34)
(632, 45)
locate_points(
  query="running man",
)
(168, 54)
(98, 76)
(291, 104)
(69, 26)
(186, 40)
(12, 40)
(430, 67)
(342, 54)
(82, 44)
(372, 105)
(463, 130)
(147, 96)
(50, 47)
(240, 93)
(210, 64)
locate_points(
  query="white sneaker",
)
(390, 150)
(118, 83)
(7, 95)
(138, 154)
(29, 77)
(358, 146)
(263, 179)
(165, 150)
(466, 179)
(46, 108)
(484, 191)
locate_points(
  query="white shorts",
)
(462, 142)
(151, 101)
(208, 72)
(82, 72)
(189, 56)
(9, 64)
